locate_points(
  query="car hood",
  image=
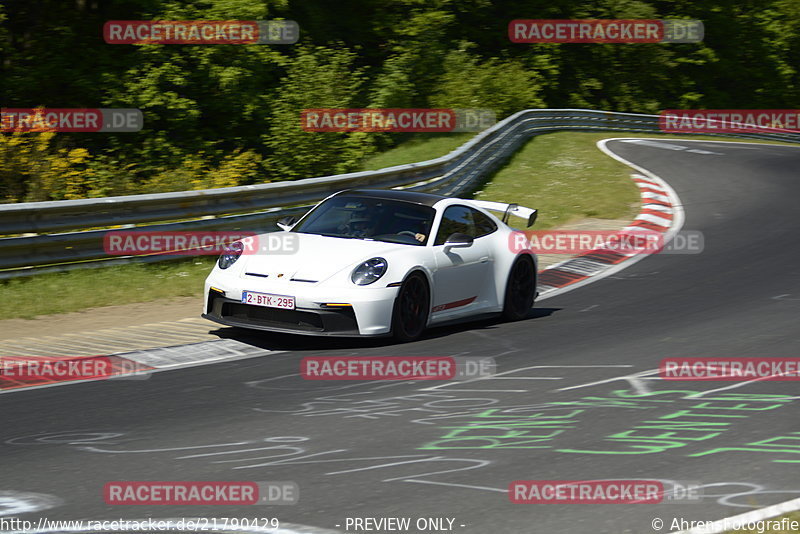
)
(316, 258)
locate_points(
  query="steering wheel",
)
(408, 232)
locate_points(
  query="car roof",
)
(425, 199)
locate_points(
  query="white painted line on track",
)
(728, 523)
(682, 140)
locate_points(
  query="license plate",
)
(267, 300)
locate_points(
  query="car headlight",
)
(369, 271)
(231, 254)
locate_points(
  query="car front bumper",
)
(368, 311)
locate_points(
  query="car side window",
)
(456, 219)
(483, 224)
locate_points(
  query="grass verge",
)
(51, 293)
(566, 178)
(417, 148)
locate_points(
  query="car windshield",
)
(357, 217)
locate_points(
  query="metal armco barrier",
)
(61, 241)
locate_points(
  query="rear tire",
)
(520, 289)
(411, 308)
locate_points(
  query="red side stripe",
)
(456, 304)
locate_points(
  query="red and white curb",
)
(661, 211)
(136, 365)
(26, 372)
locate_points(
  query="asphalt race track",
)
(576, 380)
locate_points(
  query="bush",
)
(33, 168)
(505, 86)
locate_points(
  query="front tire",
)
(411, 308)
(520, 290)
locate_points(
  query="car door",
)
(462, 274)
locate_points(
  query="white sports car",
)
(376, 263)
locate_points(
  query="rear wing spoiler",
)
(508, 209)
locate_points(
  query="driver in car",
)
(421, 231)
(360, 226)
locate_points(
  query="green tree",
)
(317, 77)
(505, 86)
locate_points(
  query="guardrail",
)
(257, 207)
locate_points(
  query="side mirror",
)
(458, 240)
(286, 223)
